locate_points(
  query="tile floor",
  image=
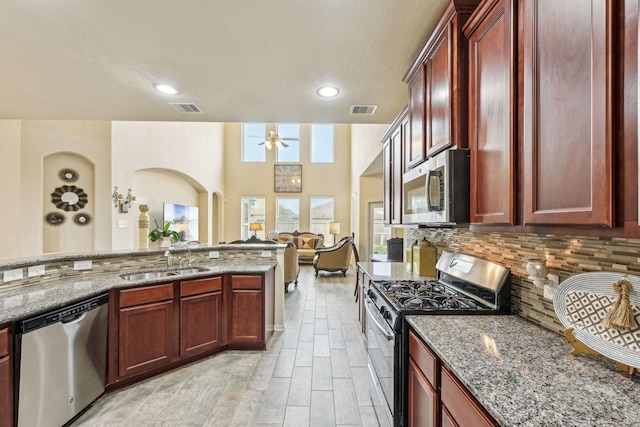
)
(312, 374)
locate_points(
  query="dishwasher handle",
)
(74, 318)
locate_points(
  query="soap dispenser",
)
(424, 259)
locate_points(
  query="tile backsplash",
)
(565, 255)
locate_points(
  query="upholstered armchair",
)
(336, 257)
(291, 266)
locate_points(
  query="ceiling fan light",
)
(328, 91)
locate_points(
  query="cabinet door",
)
(567, 111)
(438, 94)
(200, 323)
(415, 145)
(6, 396)
(397, 169)
(464, 410)
(146, 337)
(423, 400)
(247, 309)
(447, 419)
(492, 113)
(387, 178)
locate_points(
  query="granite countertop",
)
(23, 301)
(524, 375)
(389, 271)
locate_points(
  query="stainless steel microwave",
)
(436, 192)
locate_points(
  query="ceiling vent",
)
(363, 110)
(185, 108)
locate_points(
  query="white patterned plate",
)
(583, 300)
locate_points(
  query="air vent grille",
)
(363, 110)
(185, 108)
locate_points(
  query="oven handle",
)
(377, 324)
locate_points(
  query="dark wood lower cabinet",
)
(200, 316)
(247, 309)
(435, 396)
(423, 399)
(146, 337)
(6, 380)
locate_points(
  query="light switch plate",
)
(35, 270)
(83, 265)
(11, 275)
(214, 254)
(123, 223)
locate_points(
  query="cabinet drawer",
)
(4, 342)
(145, 295)
(463, 407)
(246, 282)
(195, 287)
(425, 359)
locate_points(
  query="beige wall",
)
(256, 179)
(367, 185)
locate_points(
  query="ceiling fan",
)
(273, 139)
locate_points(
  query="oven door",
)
(380, 353)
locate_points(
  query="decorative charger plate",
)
(583, 300)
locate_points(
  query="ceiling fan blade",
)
(283, 144)
(262, 143)
(290, 139)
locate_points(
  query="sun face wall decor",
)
(288, 179)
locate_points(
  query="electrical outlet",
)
(83, 265)
(266, 254)
(549, 291)
(36, 270)
(555, 279)
(214, 254)
(11, 275)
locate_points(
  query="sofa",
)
(306, 243)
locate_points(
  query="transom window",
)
(322, 143)
(292, 152)
(252, 135)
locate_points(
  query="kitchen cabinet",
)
(437, 83)
(423, 384)
(393, 160)
(200, 316)
(492, 112)
(147, 328)
(435, 396)
(6, 380)
(247, 323)
(567, 55)
(460, 407)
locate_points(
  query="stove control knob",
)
(371, 295)
(386, 314)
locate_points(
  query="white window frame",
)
(253, 139)
(333, 143)
(325, 231)
(261, 218)
(278, 228)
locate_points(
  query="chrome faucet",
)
(169, 259)
(186, 246)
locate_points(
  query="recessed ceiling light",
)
(328, 91)
(166, 89)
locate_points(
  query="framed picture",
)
(288, 179)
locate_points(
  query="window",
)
(322, 143)
(321, 214)
(287, 214)
(252, 211)
(379, 233)
(292, 152)
(252, 135)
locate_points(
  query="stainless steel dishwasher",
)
(61, 362)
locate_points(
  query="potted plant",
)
(164, 236)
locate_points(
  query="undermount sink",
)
(146, 275)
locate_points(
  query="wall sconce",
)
(537, 269)
(334, 228)
(122, 202)
(255, 227)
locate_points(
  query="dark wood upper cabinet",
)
(438, 88)
(395, 144)
(567, 107)
(492, 112)
(388, 181)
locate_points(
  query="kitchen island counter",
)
(524, 375)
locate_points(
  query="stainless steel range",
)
(465, 285)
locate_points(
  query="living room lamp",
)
(334, 228)
(255, 227)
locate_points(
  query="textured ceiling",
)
(237, 60)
